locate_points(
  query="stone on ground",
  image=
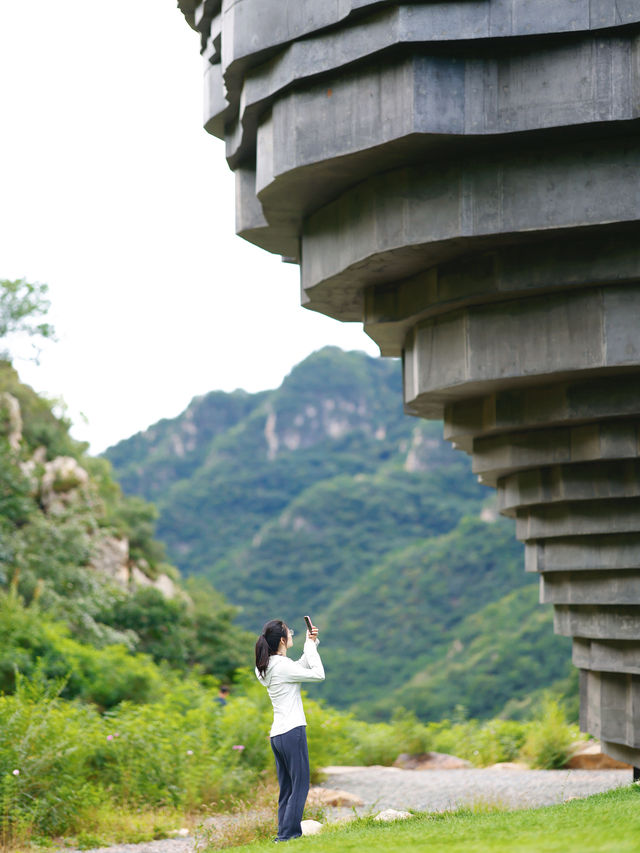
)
(508, 765)
(589, 756)
(332, 797)
(392, 814)
(430, 761)
(311, 827)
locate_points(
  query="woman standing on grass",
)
(282, 677)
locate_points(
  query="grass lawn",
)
(605, 822)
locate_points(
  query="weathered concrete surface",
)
(462, 177)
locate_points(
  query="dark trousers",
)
(292, 765)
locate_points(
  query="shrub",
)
(550, 738)
(374, 743)
(44, 745)
(330, 737)
(30, 642)
(481, 743)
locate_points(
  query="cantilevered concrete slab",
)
(463, 177)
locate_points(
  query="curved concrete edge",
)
(556, 404)
(621, 752)
(252, 225)
(199, 16)
(506, 453)
(609, 552)
(188, 7)
(566, 333)
(597, 622)
(255, 29)
(610, 710)
(211, 44)
(299, 62)
(606, 655)
(578, 518)
(390, 226)
(565, 85)
(600, 480)
(216, 110)
(390, 312)
(592, 588)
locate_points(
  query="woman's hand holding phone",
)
(312, 631)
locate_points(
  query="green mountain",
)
(321, 496)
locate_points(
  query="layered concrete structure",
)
(463, 178)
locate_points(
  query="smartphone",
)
(308, 622)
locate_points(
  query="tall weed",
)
(550, 738)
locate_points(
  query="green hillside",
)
(321, 496)
(519, 656)
(83, 582)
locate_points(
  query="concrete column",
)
(462, 177)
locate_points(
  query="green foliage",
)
(15, 492)
(419, 600)
(548, 745)
(46, 558)
(135, 518)
(34, 647)
(330, 736)
(70, 759)
(43, 774)
(22, 304)
(183, 632)
(496, 655)
(330, 537)
(481, 742)
(40, 426)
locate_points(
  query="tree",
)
(22, 304)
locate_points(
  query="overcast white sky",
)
(111, 192)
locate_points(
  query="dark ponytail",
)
(269, 643)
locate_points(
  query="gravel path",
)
(439, 790)
(435, 790)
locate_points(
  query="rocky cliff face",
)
(61, 487)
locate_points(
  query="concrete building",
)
(463, 178)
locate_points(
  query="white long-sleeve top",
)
(283, 679)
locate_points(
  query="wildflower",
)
(189, 752)
(238, 746)
(16, 772)
(109, 737)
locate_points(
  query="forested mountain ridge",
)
(321, 496)
(336, 414)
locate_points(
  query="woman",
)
(282, 677)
